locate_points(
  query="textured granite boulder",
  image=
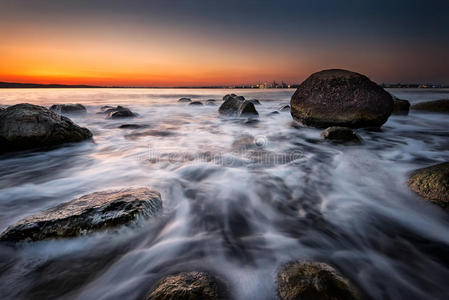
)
(96, 211)
(313, 281)
(340, 98)
(68, 109)
(27, 126)
(188, 286)
(432, 183)
(439, 106)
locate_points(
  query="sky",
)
(210, 43)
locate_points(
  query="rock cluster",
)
(118, 112)
(237, 106)
(340, 98)
(27, 126)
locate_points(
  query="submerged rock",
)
(119, 112)
(254, 101)
(236, 107)
(400, 107)
(197, 103)
(285, 108)
(211, 102)
(188, 286)
(340, 98)
(183, 99)
(132, 126)
(340, 134)
(27, 126)
(432, 183)
(68, 108)
(440, 106)
(88, 213)
(313, 281)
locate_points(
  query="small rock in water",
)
(27, 126)
(255, 101)
(189, 286)
(340, 134)
(285, 108)
(400, 107)
(119, 112)
(432, 183)
(132, 126)
(273, 113)
(340, 98)
(211, 102)
(313, 281)
(184, 100)
(197, 103)
(68, 108)
(236, 107)
(96, 211)
(439, 106)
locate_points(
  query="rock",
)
(119, 112)
(211, 102)
(68, 108)
(273, 113)
(432, 183)
(235, 106)
(228, 96)
(255, 101)
(285, 108)
(197, 103)
(27, 126)
(132, 126)
(184, 100)
(313, 281)
(400, 107)
(188, 286)
(340, 134)
(340, 98)
(440, 106)
(96, 211)
(105, 107)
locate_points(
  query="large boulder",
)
(188, 286)
(439, 106)
(313, 281)
(340, 134)
(236, 107)
(88, 213)
(340, 98)
(68, 108)
(400, 106)
(27, 126)
(432, 183)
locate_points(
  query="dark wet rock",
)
(400, 107)
(132, 126)
(229, 96)
(340, 98)
(184, 100)
(313, 281)
(237, 107)
(119, 112)
(96, 211)
(340, 134)
(255, 101)
(439, 106)
(68, 108)
(432, 183)
(285, 108)
(196, 103)
(27, 126)
(251, 121)
(273, 113)
(211, 102)
(189, 286)
(160, 133)
(106, 107)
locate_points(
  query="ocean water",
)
(239, 199)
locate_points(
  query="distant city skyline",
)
(209, 43)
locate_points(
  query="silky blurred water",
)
(239, 199)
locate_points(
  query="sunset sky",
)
(198, 43)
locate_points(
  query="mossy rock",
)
(432, 183)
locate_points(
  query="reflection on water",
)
(239, 199)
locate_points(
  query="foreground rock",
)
(188, 286)
(340, 98)
(432, 184)
(440, 106)
(28, 126)
(237, 107)
(91, 212)
(340, 134)
(119, 112)
(68, 109)
(400, 107)
(313, 281)
(184, 100)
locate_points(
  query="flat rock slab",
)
(96, 211)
